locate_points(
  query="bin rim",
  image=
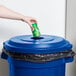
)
(47, 44)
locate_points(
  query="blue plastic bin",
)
(43, 45)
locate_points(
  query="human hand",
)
(29, 21)
(10, 14)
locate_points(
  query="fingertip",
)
(33, 21)
(30, 24)
(31, 28)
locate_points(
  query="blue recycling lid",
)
(44, 44)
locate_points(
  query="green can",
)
(35, 32)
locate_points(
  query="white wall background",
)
(71, 33)
(49, 13)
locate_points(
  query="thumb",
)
(30, 24)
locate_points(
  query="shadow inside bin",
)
(4, 68)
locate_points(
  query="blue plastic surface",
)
(45, 44)
(23, 68)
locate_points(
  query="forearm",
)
(9, 14)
